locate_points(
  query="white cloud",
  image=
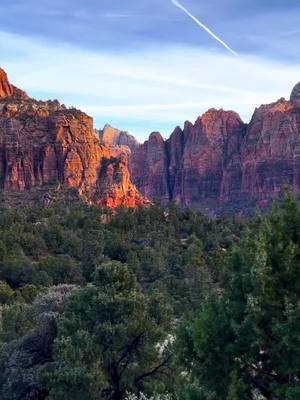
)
(157, 87)
(116, 15)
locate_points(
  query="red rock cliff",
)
(189, 167)
(220, 163)
(44, 144)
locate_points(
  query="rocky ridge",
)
(44, 145)
(220, 164)
(121, 142)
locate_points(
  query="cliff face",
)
(44, 144)
(7, 89)
(190, 166)
(120, 142)
(270, 156)
(149, 167)
(218, 164)
(221, 164)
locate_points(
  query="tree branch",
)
(153, 371)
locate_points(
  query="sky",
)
(145, 65)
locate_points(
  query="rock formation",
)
(188, 168)
(7, 89)
(220, 164)
(45, 145)
(121, 142)
(149, 166)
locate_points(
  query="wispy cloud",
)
(116, 15)
(154, 89)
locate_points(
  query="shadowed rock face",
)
(221, 164)
(44, 144)
(189, 168)
(295, 96)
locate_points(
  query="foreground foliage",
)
(247, 340)
(149, 303)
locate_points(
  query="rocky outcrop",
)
(270, 155)
(121, 142)
(220, 164)
(7, 89)
(114, 187)
(295, 95)
(45, 145)
(189, 167)
(149, 166)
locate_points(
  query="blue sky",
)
(143, 65)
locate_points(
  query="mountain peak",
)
(6, 89)
(295, 95)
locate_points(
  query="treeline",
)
(156, 303)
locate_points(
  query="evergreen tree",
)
(246, 339)
(108, 339)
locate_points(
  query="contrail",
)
(176, 4)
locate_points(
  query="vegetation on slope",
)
(149, 302)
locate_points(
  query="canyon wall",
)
(220, 164)
(45, 145)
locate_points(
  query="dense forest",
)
(152, 303)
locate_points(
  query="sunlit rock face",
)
(220, 164)
(45, 145)
(7, 90)
(120, 142)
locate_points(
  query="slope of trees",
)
(159, 302)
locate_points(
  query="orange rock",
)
(44, 143)
(6, 89)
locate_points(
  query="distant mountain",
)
(121, 141)
(45, 147)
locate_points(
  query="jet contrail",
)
(175, 2)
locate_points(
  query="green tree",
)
(28, 333)
(246, 339)
(108, 339)
(6, 293)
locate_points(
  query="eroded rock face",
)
(221, 164)
(149, 165)
(189, 167)
(295, 95)
(44, 144)
(270, 155)
(208, 147)
(218, 164)
(114, 186)
(120, 142)
(6, 89)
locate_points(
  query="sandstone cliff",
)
(45, 145)
(121, 142)
(221, 164)
(218, 164)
